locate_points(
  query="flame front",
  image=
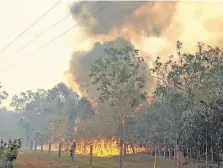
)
(103, 147)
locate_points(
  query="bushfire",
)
(101, 147)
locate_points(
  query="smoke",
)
(116, 13)
(151, 27)
(80, 66)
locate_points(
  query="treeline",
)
(9, 130)
(51, 115)
(186, 108)
(183, 112)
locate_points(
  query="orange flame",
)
(139, 107)
(101, 147)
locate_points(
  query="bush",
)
(9, 152)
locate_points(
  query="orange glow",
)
(103, 147)
(139, 107)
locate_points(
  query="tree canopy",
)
(50, 115)
(184, 111)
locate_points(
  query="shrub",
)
(9, 152)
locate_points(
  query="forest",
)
(182, 112)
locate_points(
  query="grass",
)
(36, 159)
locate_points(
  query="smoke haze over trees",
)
(134, 81)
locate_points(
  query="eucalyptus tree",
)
(120, 80)
(66, 106)
(195, 81)
(19, 102)
(3, 94)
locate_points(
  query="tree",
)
(66, 106)
(51, 112)
(20, 102)
(30, 106)
(27, 125)
(191, 85)
(3, 94)
(120, 79)
(82, 110)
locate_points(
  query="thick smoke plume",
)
(116, 14)
(152, 27)
(81, 66)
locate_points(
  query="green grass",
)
(36, 159)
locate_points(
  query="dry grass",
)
(36, 159)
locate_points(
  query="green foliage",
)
(3, 94)
(19, 102)
(9, 152)
(50, 113)
(119, 76)
(186, 108)
(120, 79)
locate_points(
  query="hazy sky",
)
(22, 71)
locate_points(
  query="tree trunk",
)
(59, 151)
(36, 143)
(50, 148)
(70, 129)
(42, 147)
(169, 151)
(91, 154)
(190, 152)
(187, 155)
(206, 149)
(133, 150)
(212, 153)
(125, 148)
(155, 158)
(122, 143)
(175, 155)
(27, 137)
(121, 154)
(123, 132)
(72, 152)
(31, 145)
(164, 150)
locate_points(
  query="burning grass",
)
(103, 147)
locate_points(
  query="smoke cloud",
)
(151, 27)
(80, 68)
(116, 13)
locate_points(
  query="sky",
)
(20, 71)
